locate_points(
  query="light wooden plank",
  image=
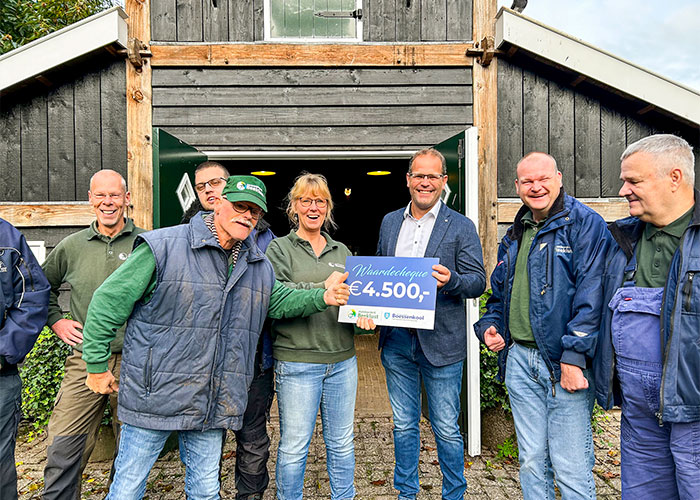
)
(610, 209)
(163, 21)
(408, 20)
(612, 137)
(61, 136)
(433, 20)
(313, 96)
(47, 214)
(189, 20)
(535, 113)
(309, 77)
(587, 140)
(459, 20)
(561, 132)
(253, 116)
(510, 125)
(486, 116)
(311, 55)
(10, 157)
(138, 119)
(34, 150)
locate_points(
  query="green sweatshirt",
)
(318, 338)
(136, 280)
(84, 260)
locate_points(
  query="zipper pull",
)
(543, 291)
(554, 383)
(687, 290)
(660, 417)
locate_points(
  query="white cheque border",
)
(389, 316)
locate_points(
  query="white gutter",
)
(102, 29)
(596, 64)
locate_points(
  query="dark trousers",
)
(10, 413)
(252, 441)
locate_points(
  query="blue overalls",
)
(658, 462)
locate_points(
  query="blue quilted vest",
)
(189, 351)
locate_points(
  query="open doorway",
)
(358, 214)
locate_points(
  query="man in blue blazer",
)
(427, 228)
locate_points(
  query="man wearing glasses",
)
(252, 440)
(84, 260)
(195, 297)
(428, 228)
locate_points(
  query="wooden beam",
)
(485, 119)
(610, 209)
(138, 119)
(48, 213)
(338, 55)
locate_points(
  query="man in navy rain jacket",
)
(545, 308)
(648, 358)
(23, 307)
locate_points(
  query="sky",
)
(661, 36)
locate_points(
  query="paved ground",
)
(488, 476)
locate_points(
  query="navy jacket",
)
(455, 242)
(680, 322)
(565, 265)
(188, 356)
(24, 300)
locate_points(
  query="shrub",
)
(493, 392)
(42, 373)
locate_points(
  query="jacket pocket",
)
(148, 372)
(689, 292)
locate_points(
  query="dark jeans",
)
(252, 441)
(10, 413)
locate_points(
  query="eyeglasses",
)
(216, 181)
(104, 196)
(241, 208)
(430, 177)
(306, 202)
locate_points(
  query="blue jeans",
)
(139, 448)
(10, 413)
(301, 389)
(405, 365)
(554, 432)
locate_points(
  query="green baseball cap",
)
(245, 188)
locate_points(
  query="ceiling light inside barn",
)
(263, 173)
(379, 172)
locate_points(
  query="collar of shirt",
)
(675, 228)
(433, 211)
(94, 233)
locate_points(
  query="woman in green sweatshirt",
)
(315, 363)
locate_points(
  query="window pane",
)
(297, 19)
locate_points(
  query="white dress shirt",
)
(415, 233)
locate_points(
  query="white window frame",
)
(269, 38)
(38, 248)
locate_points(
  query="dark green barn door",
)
(172, 160)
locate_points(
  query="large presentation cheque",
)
(393, 291)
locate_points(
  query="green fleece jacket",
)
(84, 260)
(318, 338)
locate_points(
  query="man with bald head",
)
(648, 359)
(543, 319)
(84, 260)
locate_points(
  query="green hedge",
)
(493, 392)
(42, 373)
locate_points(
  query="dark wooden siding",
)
(584, 128)
(53, 140)
(242, 20)
(292, 109)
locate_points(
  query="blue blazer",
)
(455, 242)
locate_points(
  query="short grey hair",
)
(428, 152)
(109, 170)
(673, 151)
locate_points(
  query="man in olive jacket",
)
(196, 297)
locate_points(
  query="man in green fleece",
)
(196, 297)
(84, 260)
